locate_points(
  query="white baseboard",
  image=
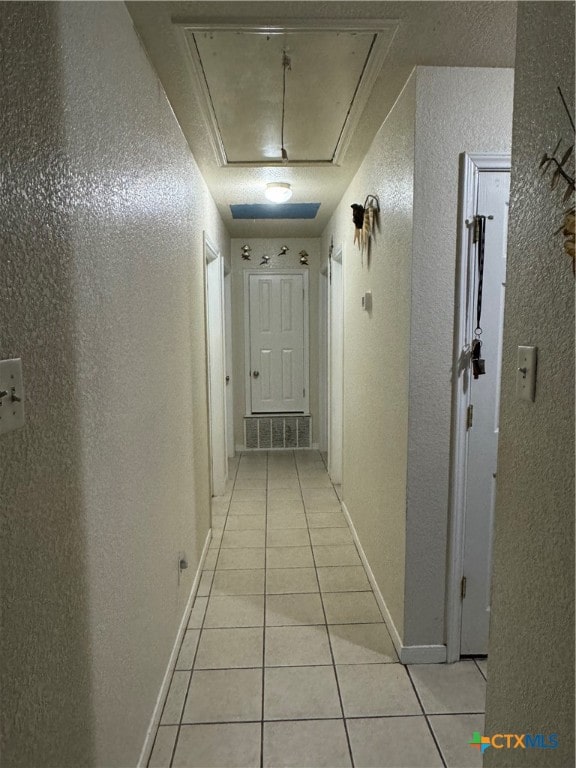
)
(408, 654)
(394, 634)
(151, 733)
(423, 654)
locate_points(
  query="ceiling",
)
(222, 65)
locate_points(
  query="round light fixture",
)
(278, 191)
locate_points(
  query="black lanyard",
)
(480, 238)
(478, 365)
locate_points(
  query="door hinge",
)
(476, 231)
(469, 416)
(463, 588)
(303, 393)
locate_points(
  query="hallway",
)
(286, 660)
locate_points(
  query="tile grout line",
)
(428, 723)
(202, 623)
(311, 666)
(327, 630)
(479, 670)
(264, 616)
(310, 719)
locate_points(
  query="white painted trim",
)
(335, 472)
(394, 634)
(471, 165)
(229, 360)
(197, 78)
(408, 654)
(218, 482)
(368, 78)
(423, 654)
(163, 693)
(279, 26)
(306, 281)
(323, 295)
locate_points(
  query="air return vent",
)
(269, 432)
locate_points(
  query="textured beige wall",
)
(531, 654)
(376, 349)
(457, 110)
(271, 247)
(102, 211)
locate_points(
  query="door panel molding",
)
(470, 167)
(247, 340)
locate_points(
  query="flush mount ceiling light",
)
(278, 191)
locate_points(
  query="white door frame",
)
(323, 297)
(471, 166)
(215, 368)
(335, 361)
(247, 377)
(229, 360)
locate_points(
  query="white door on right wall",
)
(493, 199)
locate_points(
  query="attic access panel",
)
(239, 82)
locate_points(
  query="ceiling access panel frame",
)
(370, 72)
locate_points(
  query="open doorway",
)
(229, 361)
(485, 185)
(335, 366)
(323, 298)
(216, 367)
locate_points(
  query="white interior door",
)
(323, 294)
(229, 362)
(335, 368)
(277, 379)
(484, 399)
(215, 330)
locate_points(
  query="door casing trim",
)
(212, 255)
(335, 469)
(305, 280)
(471, 164)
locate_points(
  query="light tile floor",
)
(287, 661)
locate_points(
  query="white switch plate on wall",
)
(11, 395)
(526, 373)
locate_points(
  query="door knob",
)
(255, 374)
(227, 379)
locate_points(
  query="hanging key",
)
(478, 363)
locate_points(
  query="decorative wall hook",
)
(357, 217)
(303, 258)
(283, 250)
(365, 218)
(265, 261)
(246, 252)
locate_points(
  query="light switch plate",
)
(526, 373)
(11, 395)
